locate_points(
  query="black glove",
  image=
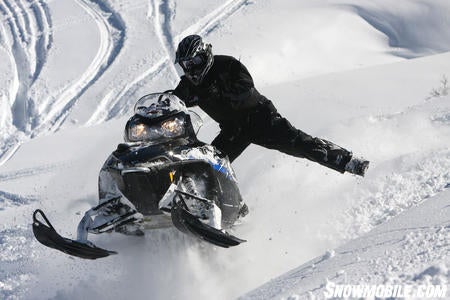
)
(192, 101)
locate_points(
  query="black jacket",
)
(227, 93)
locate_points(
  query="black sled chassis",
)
(151, 180)
(181, 217)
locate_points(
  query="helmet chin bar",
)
(197, 79)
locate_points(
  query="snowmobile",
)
(161, 176)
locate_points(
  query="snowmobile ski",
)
(47, 235)
(186, 222)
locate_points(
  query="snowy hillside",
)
(408, 249)
(367, 75)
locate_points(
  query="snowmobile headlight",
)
(157, 133)
(173, 128)
(138, 132)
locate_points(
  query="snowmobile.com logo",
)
(384, 291)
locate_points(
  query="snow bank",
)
(410, 249)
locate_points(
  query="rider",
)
(222, 87)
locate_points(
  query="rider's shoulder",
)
(224, 59)
(225, 62)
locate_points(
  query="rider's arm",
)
(242, 92)
(183, 91)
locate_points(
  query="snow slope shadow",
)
(417, 31)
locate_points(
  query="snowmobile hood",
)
(133, 153)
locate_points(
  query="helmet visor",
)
(191, 64)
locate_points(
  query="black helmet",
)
(195, 57)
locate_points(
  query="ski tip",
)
(47, 235)
(205, 232)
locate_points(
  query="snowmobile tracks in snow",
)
(27, 172)
(210, 22)
(116, 104)
(29, 25)
(31, 28)
(9, 199)
(161, 13)
(112, 36)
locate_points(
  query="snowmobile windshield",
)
(157, 105)
(159, 118)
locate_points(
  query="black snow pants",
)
(264, 126)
